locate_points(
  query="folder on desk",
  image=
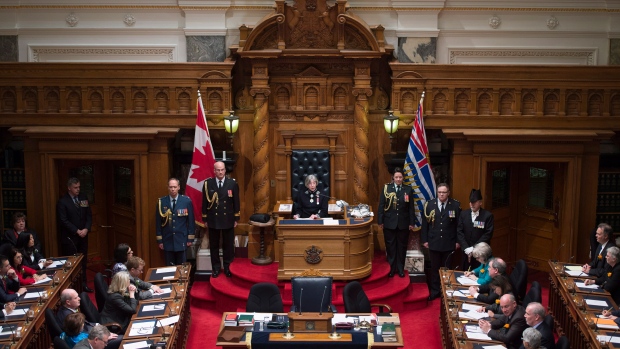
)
(231, 334)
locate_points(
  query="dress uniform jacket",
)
(319, 205)
(599, 259)
(439, 228)
(72, 218)
(396, 210)
(175, 228)
(220, 206)
(469, 232)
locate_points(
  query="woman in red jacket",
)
(25, 274)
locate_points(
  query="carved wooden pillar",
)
(260, 163)
(361, 91)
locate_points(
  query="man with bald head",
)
(509, 326)
(534, 317)
(221, 212)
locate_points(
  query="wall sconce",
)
(390, 123)
(231, 124)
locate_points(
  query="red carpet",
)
(419, 322)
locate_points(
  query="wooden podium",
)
(310, 322)
(342, 248)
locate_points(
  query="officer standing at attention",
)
(475, 226)
(174, 221)
(397, 218)
(221, 212)
(439, 233)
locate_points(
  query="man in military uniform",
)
(439, 233)
(174, 221)
(221, 212)
(475, 225)
(397, 218)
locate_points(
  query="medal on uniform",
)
(311, 198)
(229, 193)
(451, 214)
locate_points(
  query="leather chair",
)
(101, 290)
(93, 315)
(518, 280)
(264, 298)
(312, 294)
(562, 343)
(60, 343)
(533, 295)
(356, 301)
(305, 162)
(53, 327)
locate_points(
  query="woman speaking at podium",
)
(311, 203)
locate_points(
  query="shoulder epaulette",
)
(455, 200)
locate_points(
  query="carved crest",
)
(313, 255)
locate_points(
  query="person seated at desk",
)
(482, 253)
(145, 289)
(25, 275)
(534, 317)
(19, 227)
(74, 329)
(499, 286)
(597, 266)
(532, 339)
(496, 267)
(7, 309)
(122, 253)
(30, 255)
(98, 338)
(610, 280)
(509, 327)
(311, 203)
(9, 289)
(121, 303)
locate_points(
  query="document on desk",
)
(42, 281)
(31, 295)
(56, 264)
(330, 221)
(573, 267)
(472, 314)
(583, 285)
(154, 307)
(612, 339)
(18, 312)
(479, 336)
(597, 303)
(166, 270)
(168, 321)
(466, 281)
(497, 346)
(142, 328)
(461, 293)
(136, 345)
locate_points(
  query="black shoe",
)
(391, 274)
(215, 274)
(227, 273)
(88, 289)
(401, 274)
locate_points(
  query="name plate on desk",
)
(311, 322)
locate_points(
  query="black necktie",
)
(398, 188)
(220, 183)
(443, 206)
(174, 203)
(76, 202)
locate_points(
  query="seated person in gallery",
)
(482, 253)
(25, 275)
(74, 329)
(311, 203)
(19, 227)
(495, 266)
(604, 237)
(121, 304)
(122, 253)
(610, 280)
(508, 327)
(31, 257)
(499, 286)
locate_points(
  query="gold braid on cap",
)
(211, 200)
(390, 198)
(165, 215)
(430, 218)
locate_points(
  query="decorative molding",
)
(133, 54)
(552, 22)
(585, 56)
(524, 34)
(495, 22)
(72, 19)
(129, 20)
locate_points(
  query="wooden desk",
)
(344, 251)
(571, 313)
(243, 344)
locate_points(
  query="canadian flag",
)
(203, 160)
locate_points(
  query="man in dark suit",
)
(221, 211)
(98, 338)
(598, 265)
(475, 225)
(534, 317)
(74, 222)
(396, 217)
(439, 233)
(9, 282)
(146, 290)
(175, 225)
(508, 327)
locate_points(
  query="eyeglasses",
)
(104, 342)
(442, 192)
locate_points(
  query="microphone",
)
(446, 262)
(322, 298)
(555, 255)
(611, 335)
(172, 288)
(301, 293)
(74, 247)
(170, 311)
(163, 336)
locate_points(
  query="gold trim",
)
(211, 200)
(390, 198)
(165, 215)
(430, 218)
